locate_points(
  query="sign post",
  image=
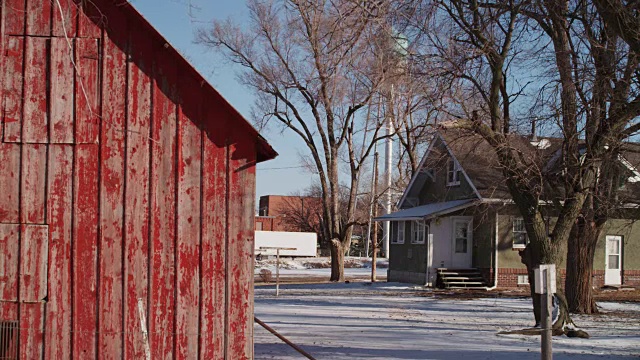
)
(277, 249)
(545, 285)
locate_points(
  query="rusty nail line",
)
(294, 346)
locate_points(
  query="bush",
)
(266, 275)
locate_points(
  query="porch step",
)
(460, 278)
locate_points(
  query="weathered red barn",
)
(127, 188)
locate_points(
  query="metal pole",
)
(546, 305)
(374, 243)
(388, 154)
(277, 272)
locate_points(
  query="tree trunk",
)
(564, 325)
(580, 253)
(337, 260)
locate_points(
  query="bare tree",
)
(623, 18)
(601, 203)
(316, 69)
(607, 85)
(302, 211)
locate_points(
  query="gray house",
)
(458, 227)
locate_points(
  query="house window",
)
(519, 234)
(453, 172)
(523, 279)
(461, 229)
(419, 231)
(399, 232)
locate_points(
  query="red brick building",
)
(289, 213)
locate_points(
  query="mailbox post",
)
(545, 285)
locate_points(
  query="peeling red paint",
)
(123, 179)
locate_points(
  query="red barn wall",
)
(124, 180)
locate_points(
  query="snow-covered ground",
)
(397, 321)
(320, 268)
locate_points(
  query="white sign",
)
(540, 278)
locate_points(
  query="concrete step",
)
(454, 278)
(465, 283)
(464, 279)
(456, 270)
(465, 287)
(461, 276)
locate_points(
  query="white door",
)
(613, 261)
(461, 246)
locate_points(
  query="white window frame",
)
(418, 232)
(467, 238)
(517, 231)
(523, 279)
(400, 229)
(453, 172)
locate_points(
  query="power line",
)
(283, 168)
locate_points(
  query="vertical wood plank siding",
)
(123, 178)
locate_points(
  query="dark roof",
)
(479, 160)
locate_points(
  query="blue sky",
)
(177, 21)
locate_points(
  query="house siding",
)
(483, 238)
(510, 265)
(407, 257)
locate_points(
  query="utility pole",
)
(374, 243)
(388, 159)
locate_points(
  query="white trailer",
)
(306, 244)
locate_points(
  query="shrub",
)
(266, 275)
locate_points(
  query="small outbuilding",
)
(127, 187)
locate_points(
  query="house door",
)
(461, 247)
(613, 261)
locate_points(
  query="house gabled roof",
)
(433, 158)
(480, 162)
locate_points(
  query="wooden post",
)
(277, 249)
(277, 272)
(286, 341)
(547, 320)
